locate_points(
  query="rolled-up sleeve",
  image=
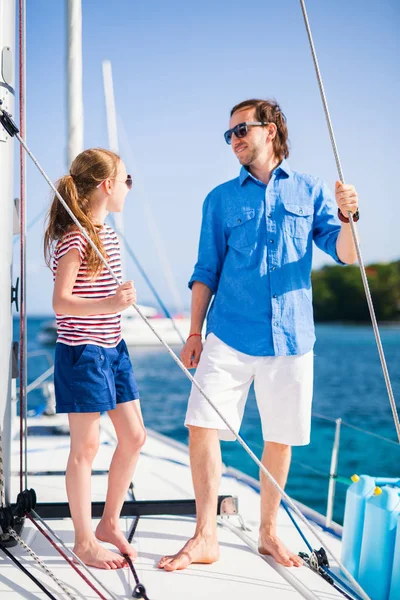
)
(326, 222)
(212, 245)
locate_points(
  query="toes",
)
(296, 560)
(164, 561)
(286, 562)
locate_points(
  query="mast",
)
(74, 80)
(7, 93)
(113, 144)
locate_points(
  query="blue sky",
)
(178, 68)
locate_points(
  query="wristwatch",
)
(344, 219)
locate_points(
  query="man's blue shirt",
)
(255, 254)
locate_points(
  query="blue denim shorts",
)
(89, 378)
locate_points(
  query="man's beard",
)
(250, 156)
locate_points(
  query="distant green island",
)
(338, 293)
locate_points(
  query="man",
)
(255, 257)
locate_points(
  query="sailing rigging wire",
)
(180, 364)
(353, 228)
(147, 280)
(22, 225)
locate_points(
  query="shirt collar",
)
(282, 167)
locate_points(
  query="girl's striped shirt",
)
(103, 330)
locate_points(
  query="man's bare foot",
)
(94, 555)
(271, 545)
(106, 532)
(197, 550)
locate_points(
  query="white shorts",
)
(283, 386)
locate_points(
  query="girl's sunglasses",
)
(128, 181)
(241, 130)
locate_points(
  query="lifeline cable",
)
(353, 229)
(12, 129)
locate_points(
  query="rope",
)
(323, 567)
(24, 570)
(69, 561)
(353, 228)
(140, 590)
(189, 375)
(133, 530)
(76, 558)
(41, 564)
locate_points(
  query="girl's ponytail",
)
(89, 168)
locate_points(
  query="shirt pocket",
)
(241, 229)
(298, 220)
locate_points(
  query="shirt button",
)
(273, 268)
(239, 220)
(301, 211)
(269, 216)
(274, 296)
(271, 241)
(276, 323)
(101, 357)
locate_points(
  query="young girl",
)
(92, 370)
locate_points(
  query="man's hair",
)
(270, 112)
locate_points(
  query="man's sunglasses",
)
(241, 130)
(128, 181)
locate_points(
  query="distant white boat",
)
(134, 330)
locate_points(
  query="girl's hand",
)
(124, 296)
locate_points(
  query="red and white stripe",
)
(103, 330)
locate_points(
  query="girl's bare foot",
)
(106, 532)
(197, 550)
(94, 555)
(271, 545)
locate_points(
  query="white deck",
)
(163, 473)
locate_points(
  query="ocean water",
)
(348, 384)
